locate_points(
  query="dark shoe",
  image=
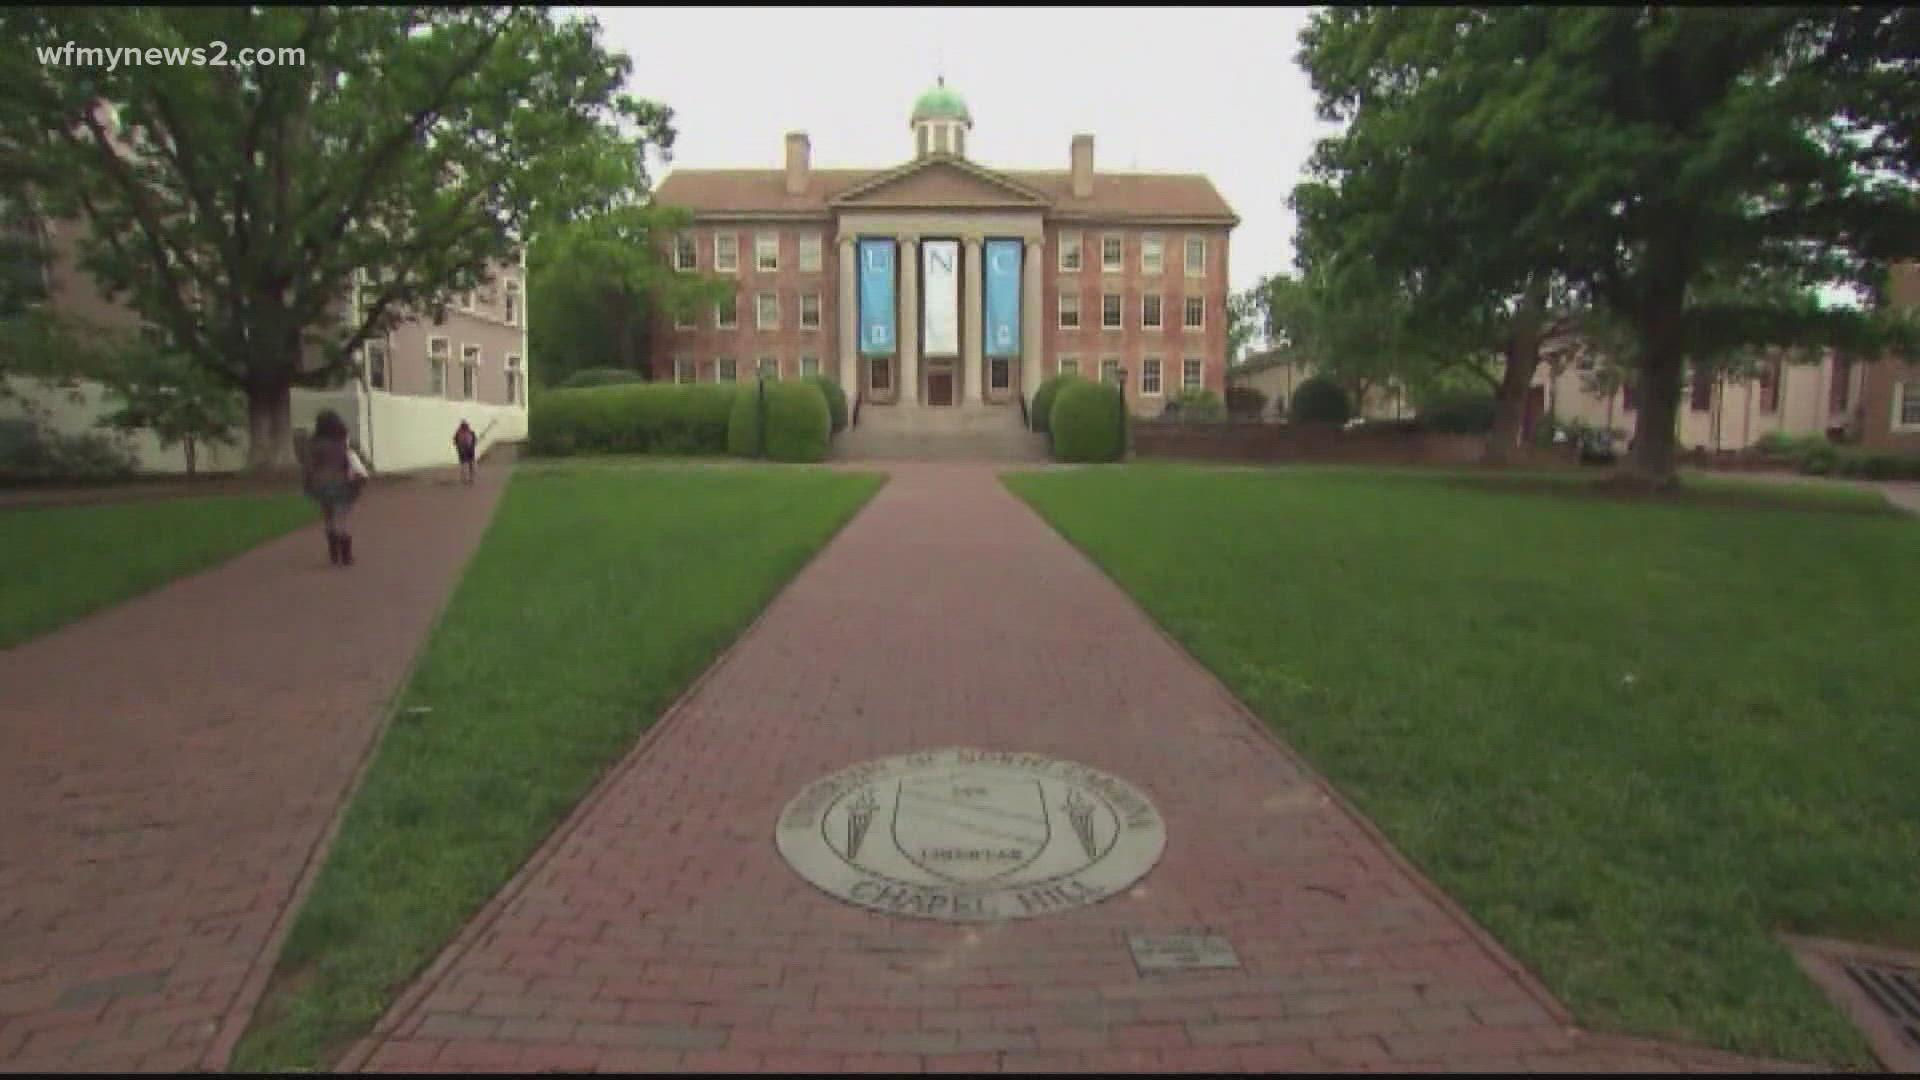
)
(346, 551)
(333, 548)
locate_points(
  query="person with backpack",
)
(333, 476)
(464, 443)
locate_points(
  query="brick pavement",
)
(172, 765)
(659, 929)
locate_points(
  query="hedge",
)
(1246, 402)
(798, 422)
(836, 400)
(646, 418)
(1458, 412)
(1088, 422)
(601, 377)
(1043, 401)
(1198, 406)
(1320, 400)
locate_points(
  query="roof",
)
(940, 103)
(1175, 196)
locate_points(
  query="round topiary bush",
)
(798, 422)
(1320, 400)
(1088, 422)
(1245, 402)
(836, 400)
(1043, 399)
(601, 377)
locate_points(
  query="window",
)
(465, 301)
(999, 373)
(1070, 251)
(880, 375)
(920, 139)
(1702, 397)
(1196, 256)
(683, 320)
(469, 371)
(726, 253)
(438, 352)
(1770, 387)
(1840, 393)
(810, 253)
(726, 369)
(1069, 365)
(1112, 254)
(685, 255)
(513, 380)
(726, 313)
(1190, 373)
(809, 366)
(684, 370)
(1110, 311)
(810, 311)
(1150, 311)
(1196, 313)
(510, 305)
(1152, 254)
(1069, 311)
(376, 364)
(770, 368)
(1110, 370)
(766, 252)
(1909, 395)
(767, 311)
(1150, 376)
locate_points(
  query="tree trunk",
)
(269, 428)
(189, 448)
(1650, 466)
(1510, 401)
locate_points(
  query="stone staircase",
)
(939, 433)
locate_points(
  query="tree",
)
(1699, 172)
(180, 401)
(233, 205)
(1244, 314)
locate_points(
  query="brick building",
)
(941, 281)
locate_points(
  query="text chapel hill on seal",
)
(971, 835)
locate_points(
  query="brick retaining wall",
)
(1255, 441)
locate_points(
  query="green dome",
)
(940, 103)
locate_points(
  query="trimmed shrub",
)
(1781, 444)
(1245, 402)
(1819, 460)
(1458, 412)
(601, 377)
(799, 422)
(1197, 406)
(649, 418)
(1087, 422)
(1320, 400)
(1043, 401)
(743, 423)
(30, 454)
(836, 400)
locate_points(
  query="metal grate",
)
(1895, 990)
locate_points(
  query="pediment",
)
(940, 182)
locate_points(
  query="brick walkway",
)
(173, 763)
(659, 930)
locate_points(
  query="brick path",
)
(659, 930)
(171, 766)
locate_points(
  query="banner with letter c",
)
(876, 297)
(1003, 297)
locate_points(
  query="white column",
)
(909, 320)
(1032, 319)
(849, 320)
(972, 331)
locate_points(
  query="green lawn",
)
(597, 595)
(63, 562)
(1634, 740)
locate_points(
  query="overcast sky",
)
(1206, 90)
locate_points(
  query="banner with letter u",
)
(876, 298)
(940, 326)
(1003, 297)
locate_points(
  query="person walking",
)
(464, 442)
(334, 476)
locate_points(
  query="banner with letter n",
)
(1003, 297)
(876, 298)
(940, 323)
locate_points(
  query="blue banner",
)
(876, 298)
(1003, 297)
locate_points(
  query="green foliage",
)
(1245, 402)
(1866, 465)
(1043, 398)
(180, 401)
(649, 418)
(1458, 412)
(836, 400)
(1199, 406)
(1087, 422)
(744, 422)
(31, 454)
(589, 377)
(799, 422)
(1785, 445)
(1320, 400)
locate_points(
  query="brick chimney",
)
(799, 151)
(1082, 166)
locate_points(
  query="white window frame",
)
(1067, 365)
(766, 253)
(510, 305)
(726, 369)
(1070, 245)
(760, 311)
(685, 320)
(815, 324)
(516, 380)
(1186, 256)
(806, 360)
(721, 322)
(686, 252)
(726, 253)
(1904, 391)
(1160, 311)
(1119, 311)
(1186, 304)
(437, 362)
(812, 247)
(1151, 365)
(469, 372)
(464, 301)
(1119, 262)
(1198, 365)
(766, 365)
(1060, 310)
(1155, 245)
(385, 367)
(685, 370)
(1110, 370)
